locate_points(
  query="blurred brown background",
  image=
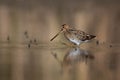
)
(41, 19)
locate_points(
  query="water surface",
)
(39, 62)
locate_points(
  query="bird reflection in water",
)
(74, 56)
(77, 55)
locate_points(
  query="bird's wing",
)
(81, 35)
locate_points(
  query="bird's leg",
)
(68, 44)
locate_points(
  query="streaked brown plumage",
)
(73, 35)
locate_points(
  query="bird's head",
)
(64, 27)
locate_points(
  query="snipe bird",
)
(75, 36)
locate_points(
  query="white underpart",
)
(76, 41)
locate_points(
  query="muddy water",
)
(62, 63)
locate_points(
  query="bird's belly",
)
(76, 41)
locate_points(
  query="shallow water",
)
(59, 63)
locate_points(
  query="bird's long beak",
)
(56, 35)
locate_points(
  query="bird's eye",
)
(63, 25)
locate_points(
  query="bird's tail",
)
(90, 37)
